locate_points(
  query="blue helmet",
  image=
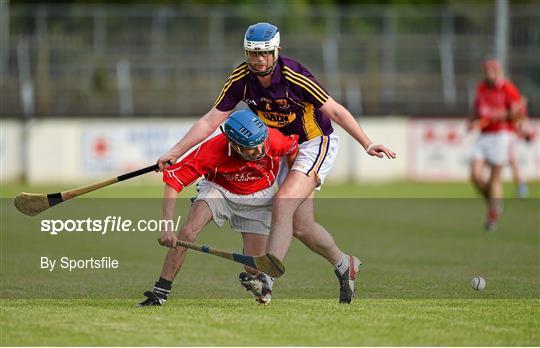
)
(262, 37)
(246, 132)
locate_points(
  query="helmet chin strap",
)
(238, 150)
(267, 71)
(262, 73)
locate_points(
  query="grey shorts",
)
(245, 213)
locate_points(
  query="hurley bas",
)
(104, 262)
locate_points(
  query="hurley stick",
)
(34, 203)
(268, 263)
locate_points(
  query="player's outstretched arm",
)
(200, 130)
(337, 113)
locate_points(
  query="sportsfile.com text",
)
(108, 224)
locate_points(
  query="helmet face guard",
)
(253, 57)
(247, 134)
(261, 42)
(254, 153)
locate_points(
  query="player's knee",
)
(496, 172)
(287, 193)
(302, 231)
(279, 198)
(280, 205)
(188, 233)
(476, 177)
(285, 205)
(298, 233)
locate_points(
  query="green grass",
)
(286, 322)
(420, 254)
(140, 189)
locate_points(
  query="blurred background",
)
(92, 89)
(89, 90)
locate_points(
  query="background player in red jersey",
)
(239, 169)
(497, 104)
(285, 95)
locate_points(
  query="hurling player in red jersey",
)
(239, 169)
(286, 96)
(497, 104)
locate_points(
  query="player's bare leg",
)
(519, 181)
(319, 240)
(199, 215)
(254, 244)
(313, 235)
(291, 194)
(259, 284)
(495, 183)
(477, 177)
(495, 193)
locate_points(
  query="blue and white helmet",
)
(262, 37)
(246, 132)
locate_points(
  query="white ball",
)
(478, 283)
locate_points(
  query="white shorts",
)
(245, 213)
(492, 147)
(317, 156)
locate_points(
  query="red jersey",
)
(219, 163)
(493, 103)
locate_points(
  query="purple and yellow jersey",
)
(291, 102)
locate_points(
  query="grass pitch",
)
(230, 322)
(419, 253)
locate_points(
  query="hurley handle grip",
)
(138, 172)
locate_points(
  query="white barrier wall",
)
(353, 164)
(440, 149)
(83, 150)
(11, 150)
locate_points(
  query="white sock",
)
(270, 280)
(343, 264)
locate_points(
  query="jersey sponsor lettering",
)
(276, 119)
(242, 177)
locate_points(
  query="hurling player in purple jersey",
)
(286, 96)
